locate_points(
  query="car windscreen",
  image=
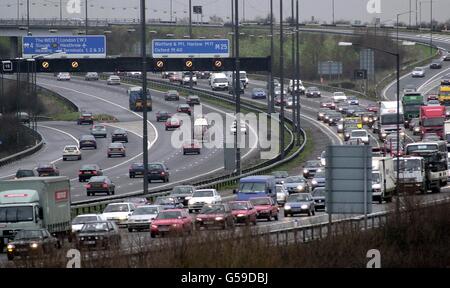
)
(252, 187)
(84, 219)
(155, 167)
(164, 201)
(212, 209)
(203, 194)
(297, 197)
(24, 173)
(319, 175)
(116, 208)
(95, 227)
(312, 164)
(28, 234)
(16, 214)
(88, 167)
(296, 179)
(359, 133)
(260, 201)
(97, 179)
(169, 215)
(145, 210)
(181, 190)
(319, 192)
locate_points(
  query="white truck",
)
(412, 175)
(383, 179)
(34, 203)
(242, 76)
(218, 81)
(388, 119)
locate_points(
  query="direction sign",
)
(190, 48)
(90, 46)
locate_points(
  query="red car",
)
(372, 108)
(215, 215)
(192, 147)
(184, 108)
(278, 100)
(168, 221)
(327, 104)
(172, 123)
(432, 97)
(266, 208)
(243, 212)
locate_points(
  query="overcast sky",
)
(320, 9)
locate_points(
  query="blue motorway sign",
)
(187, 48)
(91, 46)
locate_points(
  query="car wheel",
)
(309, 213)
(113, 191)
(132, 176)
(269, 218)
(286, 215)
(64, 159)
(89, 194)
(314, 212)
(152, 235)
(108, 193)
(130, 230)
(10, 257)
(190, 210)
(276, 217)
(225, 225)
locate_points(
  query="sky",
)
(321, 10)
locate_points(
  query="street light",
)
(144, 97)
(398, 15)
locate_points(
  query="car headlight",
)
(304, 206)
(305, 170)
(34, 245)
(10, 246)
(300, 187)
(366, 119)
(402, 133)
(240, 215)
(319, 170)
(82, 238)
(96, 237)
(287, 207)
(347, 135)
(416, 129)
(123, 217)
(383, 134)
(314, 182)
(154, 226)
(199, 219)
(175, 225)
(320, 114)
(340, 126)
(219, 218)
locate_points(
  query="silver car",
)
(296, 184)
(98, 131)
(282, 194)
(142, 217)
(113, 80)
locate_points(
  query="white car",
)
(119, 212)
(80, 220)
(113, 80)
(243, 128)
(136, 74)
(71, 152)
(360, 135)
(202, 197)
(339, 97)
(282, 194)
(293, 86)
(63, 76)
(142, 217)
(186, 79)
(418, 72)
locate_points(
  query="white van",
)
(242, 76)
(218, 81)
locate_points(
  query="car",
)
(184, 108)
(409, 89)
(319, 194)
(430, 137)
(99, 235)
(22, 173)
(280, 176)
(168, 202)
(80, 220)
(312, 92)
(85, 117)
(372, 108)
(333, 117)
(276, 84)
(176, 77)
(100, 184)
(327, 104)
(36, 243)
(447, 56)
(171, 221)
(163, 116)
(318, 180)
(91, 76)
(432, 97)
(119, 212)
(354, 142)
(360, 135)
(99, 131)
(299, 203)
(201, 197)
(119, 135)
(296, 184)
(243, 127)
(89, 170)
(282, 194)
(418, 72)
(355, 111)
(433, 103)
(23, 117)
(136, 169)
(340, 126)
(352, 100)
(87, 141)
(311, 167)
(293, 84)
(113, 80)
(413, 123)
(232, 90)
(191, 147)
(116, 149)
(183, 193)
(142, 217)
(187, 79)
(266, 208)
(436, 64)
(71, 152)
(447, 112)
(138, 201)
(214, 215)
(47, 169)
(63, 76)
(134, 74)
(339, 97)
(203, 74)
(289, 103)
(259, 93)
(192, 100)
(321, 114)
(243, 212)
(322, 158)
(172, 123)
(158, 171)
(172, 95)
(342, 107)
(368, 118)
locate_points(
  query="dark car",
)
(89, 170)
(342, 107)
(318, 180)
(280, 176)
(32, 242)
(85, 117)
(243, 212)
(334, 118)
(162, 116)
(47, 169)
(100, 234)
(296, 184)
(183, 193)
(169, 202)
(436, 64)
(327, 104)
(184, 108)
(172, 95)
(158, 171)
(214, 215)
(259, 93)
(100, 184)
(312, 92)
(232, 90)
(266, 208)
(119, 135)
(136, 169)
(299, 203)
(116, 149)
(321, 113)
(191, 147)
(372, 108)
(87, 141)
(21, 173)
(311, 167)
(318, 195)
(193, 100)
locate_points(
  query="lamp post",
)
(294, 74)
(190, 36)
(144, 97)
(281, 82)
(271, 86)
(86, 18)
(237, 87)
(297, 71)
(398, 16)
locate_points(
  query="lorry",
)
(383, 179)
(411, 102)
(389, 120)
(435, 165)
(34, 203)
(412, 174)
(444, 95)
(242, 77)
(432, 120)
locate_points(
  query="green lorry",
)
(411, 105)
(32, 203)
